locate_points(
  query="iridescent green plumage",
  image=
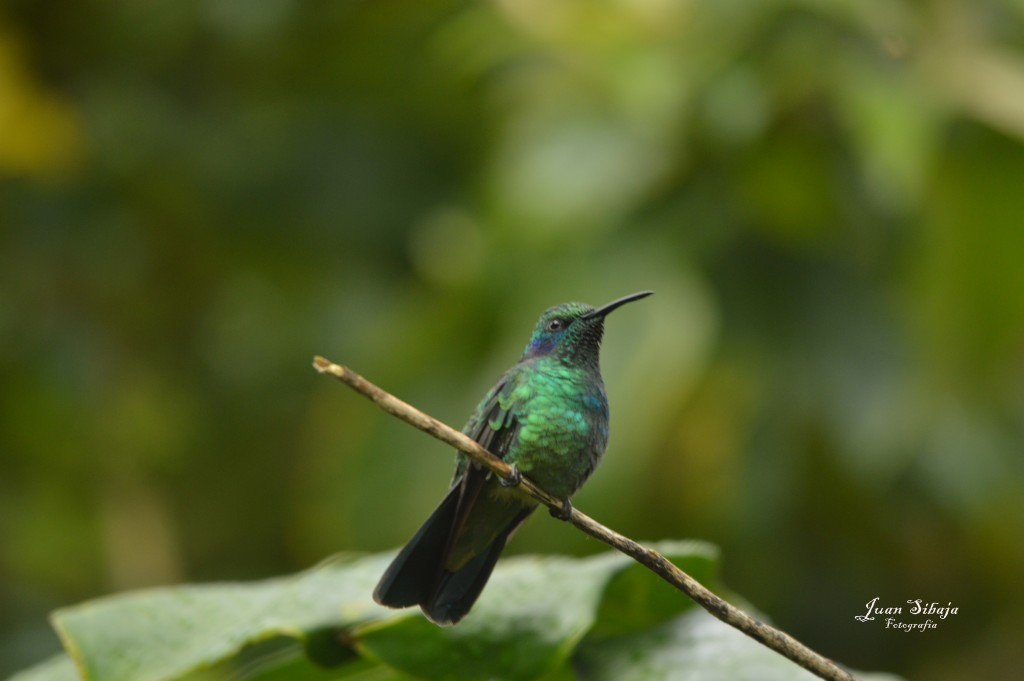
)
(548, 417)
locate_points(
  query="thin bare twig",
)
(777, 640)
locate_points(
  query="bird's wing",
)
(495, 422)
(480, 518)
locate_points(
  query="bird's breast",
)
(563, 430)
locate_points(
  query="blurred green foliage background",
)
(828, 198)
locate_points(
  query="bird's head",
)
(572, 331)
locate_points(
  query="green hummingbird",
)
(547, 417)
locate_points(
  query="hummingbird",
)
(547, 417)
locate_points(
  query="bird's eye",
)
(555, 325)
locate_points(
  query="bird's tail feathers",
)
(417, 575)
(456, 592)
(410, 578)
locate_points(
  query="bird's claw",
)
(515, 477)
(562, 512)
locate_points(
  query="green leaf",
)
(283, 659)
(60, 667)
(165, 633)
(528, 621)
(635, 599)
(544, 618)
(691, 647)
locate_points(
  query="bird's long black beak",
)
(605, 309)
